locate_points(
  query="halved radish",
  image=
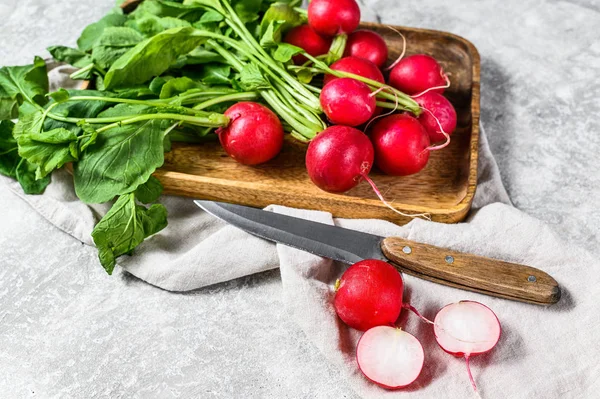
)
(466, 329)
(390, 357)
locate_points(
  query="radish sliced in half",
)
(389, 357)
(465, 329)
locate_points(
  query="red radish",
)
(357, 66)
(438, 117)
(390, 357)
(367, 45)
(254, 134)
(338, 158)
(418, 73)
(348, 102)
(466, 329)
(333, 17)
(401, 145)
(304, 37)
(369, 294)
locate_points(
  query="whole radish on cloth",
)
(369, 294)
(305, 37)
(418, 73)
(333, 17)
(254, 134)
(368, 45)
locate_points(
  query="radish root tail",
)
(415, 311)
(446, 135)
(471, 376)
(403, 49)
(446, 78)
(425, 216)
(387, 113)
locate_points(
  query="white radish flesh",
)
(465, 329)
(390, 357)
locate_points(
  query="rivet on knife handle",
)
(472, 272)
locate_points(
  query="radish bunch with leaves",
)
(174, 70)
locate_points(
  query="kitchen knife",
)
(465, 271)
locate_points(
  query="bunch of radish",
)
(393, 125)
(369, 298)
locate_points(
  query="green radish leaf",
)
(127, 110)
(9, 154)
(177, 86)
(83, 108)
(113, 43)
(22, 83)
(92, 32)
(157, 83)
(28, 124)
(89, 136)
(285, 52)
(71, 56)
(272, 36)
(201, 56)
(121, 159)
(59, 96)
(151, 57)
(48, 150)
(214, 4)
(124, 227)
(211, 16)
(149, 191)
(174, 9)
(282, 13)
(251, 78)
(215, 74)
(150, 25)
(247, 10)
(305, 76)
(25, 175)
(133, 92)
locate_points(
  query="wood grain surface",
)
(471, 272)
(444, 189)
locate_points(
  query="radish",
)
(417, 74)
(466, 329)
(439, 116)
(348, 102)
(306, 38)
(357, 66)
(401, 145)
(333, 17)
(369, 294)
(254, 134)
(338, 158)
(367, 45)
(389, 357)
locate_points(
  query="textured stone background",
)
(68, 330)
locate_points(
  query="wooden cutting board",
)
(444, 189)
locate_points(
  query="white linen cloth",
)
(551, 351)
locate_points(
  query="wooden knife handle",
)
(471, 272)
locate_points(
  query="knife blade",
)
(460, 270)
